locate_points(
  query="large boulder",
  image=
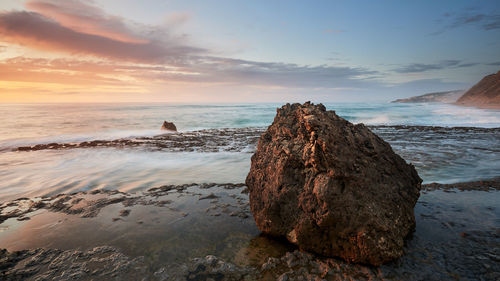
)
(332, 187)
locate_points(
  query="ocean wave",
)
(377, 120)
(468, 116)
(435, 114)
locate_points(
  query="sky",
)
(243, 51)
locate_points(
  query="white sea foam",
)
(425, 114)
(377, 120)
(467, 116)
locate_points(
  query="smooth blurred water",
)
(54, 171)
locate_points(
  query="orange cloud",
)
(43, 71)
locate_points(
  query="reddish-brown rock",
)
(486, 93)
(169, 126)
(332, 187)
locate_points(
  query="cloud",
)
(482, 21)
(177, 18)
(204, 70)
(417, 67)
(226, 70)
(471, 17)
(422, 86)
(60, 71)
(205, 75)
(131, 52)
(84, 18)
(421, 67)
(467, 64)
(38, 32)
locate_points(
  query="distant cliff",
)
(446, 97)
(486, 93)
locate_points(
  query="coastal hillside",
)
(486, 93)
(445, 97)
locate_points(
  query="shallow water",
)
(195, 222)
(215, 155)
(449, 242)
(187, 227)
(89, 169)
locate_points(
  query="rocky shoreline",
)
(205, 231)
(210, 140)
(448, 244)
(89, 204)
(243, 139)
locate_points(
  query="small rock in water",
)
(332, 187)
(169, 126)
(210, 196)
(124, 213)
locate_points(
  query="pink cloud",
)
(37, 31)
(84, 18)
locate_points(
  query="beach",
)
(102, 187)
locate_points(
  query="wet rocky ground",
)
(450, 150)
(239, 139)
(210, 140)
(206, 232)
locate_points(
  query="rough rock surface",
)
(332, 187)
(207, 268)
(486, 93)
(209, 140)
(99, 263)
(169, 126)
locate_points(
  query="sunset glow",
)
(105, 51)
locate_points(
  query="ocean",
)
(215, 143)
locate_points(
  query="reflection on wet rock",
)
(169, 235)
